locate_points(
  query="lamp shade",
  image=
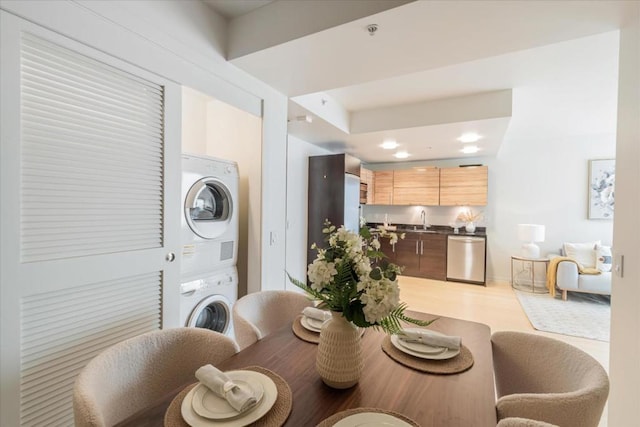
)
(531, 233)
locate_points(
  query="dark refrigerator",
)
(334, 194)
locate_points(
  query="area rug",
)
(582, 315)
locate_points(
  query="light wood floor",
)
(495, 305)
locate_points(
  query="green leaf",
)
(375, 274)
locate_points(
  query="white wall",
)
(298, 152)
(625, 316)
(194, 121)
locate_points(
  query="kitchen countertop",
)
(434, 229)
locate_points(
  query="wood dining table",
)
(463, 399)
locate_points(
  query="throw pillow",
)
(603, 258)
(584, 253)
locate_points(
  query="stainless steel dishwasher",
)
(466, 259)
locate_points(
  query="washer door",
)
(208, 208)
(212, 313)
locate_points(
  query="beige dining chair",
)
(136, 373)
(541, 378)
(522, 422)
(258, 314)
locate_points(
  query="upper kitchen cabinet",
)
(416, 186)
(383, 187)
(366, 186)
(464, 186)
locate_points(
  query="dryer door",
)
(213, 312)
(208, 208)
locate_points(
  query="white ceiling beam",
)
(480, 106)
(325, 107)
(283, 21)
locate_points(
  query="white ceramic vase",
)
(339, 360)
(470, 227)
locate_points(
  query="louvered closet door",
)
(89, 182)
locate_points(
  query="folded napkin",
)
(316, 313)
(427, 337)
(218, 382)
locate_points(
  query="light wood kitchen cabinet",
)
(383, 187)
(464, 186)
(457, 186)
(366, 178)
(417, 186)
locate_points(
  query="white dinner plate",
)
(311, 324)
(371, 419)
(209, 405)
(421, 348)
(447, 354)
(269, 398)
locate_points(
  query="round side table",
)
(528, 284)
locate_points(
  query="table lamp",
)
(530, 233)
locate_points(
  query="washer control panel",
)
(206, 284)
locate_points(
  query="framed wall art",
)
(602, 179)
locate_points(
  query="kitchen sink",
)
(416, 229)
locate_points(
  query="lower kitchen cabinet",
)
(388, 250)
(407, 254)
(421, 255)
(433, 256)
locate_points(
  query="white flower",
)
(363, 266)
(380, 298)
(321, 273)
(347, 253)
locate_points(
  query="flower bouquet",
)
(351, 276)
(469, 215)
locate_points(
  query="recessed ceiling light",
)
(401, 155)
(389, 145)
(469, 137)
(470, 149)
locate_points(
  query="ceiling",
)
(432, 70)
(233, 8)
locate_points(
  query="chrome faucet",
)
(423, 217)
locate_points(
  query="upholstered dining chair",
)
(541, 378)
(522, 422)
(134, 374)
(258, 314)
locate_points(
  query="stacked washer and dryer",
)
(210, 232)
